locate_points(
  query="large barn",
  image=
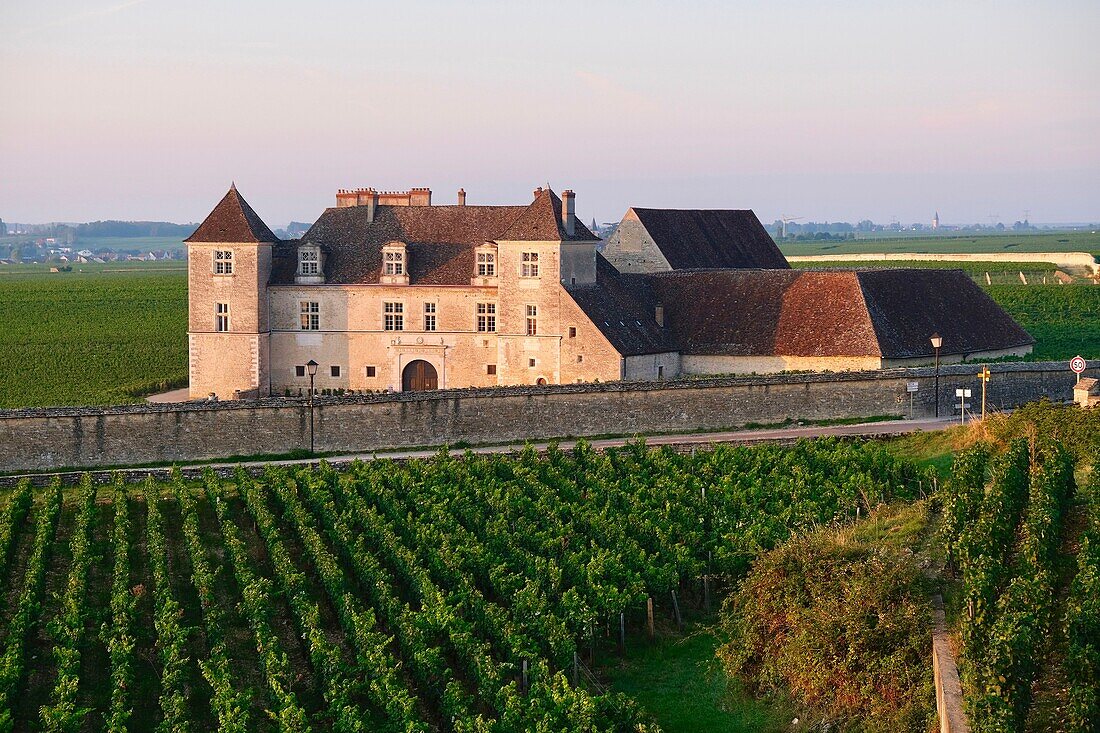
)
(387, 291)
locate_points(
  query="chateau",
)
(387, 291)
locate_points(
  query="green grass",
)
(1064, 319)
(129, 243)
(8, 273)
(935, 449)
(1057, 242)
(678, 681)
(96, 337)
(973, 268)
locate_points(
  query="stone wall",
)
(78, 437)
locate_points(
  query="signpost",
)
(962, 394)
(1077, 366)
(911, 388)
(984, 374)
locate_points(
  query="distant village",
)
(105, 241)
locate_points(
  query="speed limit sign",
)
(1077, 364)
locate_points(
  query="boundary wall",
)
(52, 438)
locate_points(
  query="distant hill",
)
(134, 229)
(293, 230)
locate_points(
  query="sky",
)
(148, 109)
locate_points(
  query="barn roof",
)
(888, 314)
(909, 305)
(232, 221)
(624, 319)
(712, 238)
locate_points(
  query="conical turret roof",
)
(233, 220)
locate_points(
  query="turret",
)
(228, 268)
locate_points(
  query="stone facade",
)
(36, 439)
(630, 248)
(261, 309)
(268, 343)
(238, 359)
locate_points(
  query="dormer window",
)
(309, 262)
(310, 265)
(485, 264)
(395, 264)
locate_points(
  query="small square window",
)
(300, 371)
(334, 371)
(490, 369)
(580, 358)
(531, 362)
(572, 332)
(371, 371)
(223, 262)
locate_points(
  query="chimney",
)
(372, 204)
(568, 211)
(461, 197)
(659, 315)
(538, 191)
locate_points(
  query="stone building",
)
(387, 291)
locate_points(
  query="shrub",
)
(841, 620)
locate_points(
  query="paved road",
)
(743, 437)
(174, 395)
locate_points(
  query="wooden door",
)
(417, 376)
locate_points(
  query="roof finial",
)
(232, 185)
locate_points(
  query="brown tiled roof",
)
(541, 222)
(711, 238)
(232, 220)
(440, 239)
(763, 312)
(907, 306)
(888, 314)
(626, 320)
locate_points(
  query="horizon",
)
(141, 110)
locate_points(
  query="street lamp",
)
(937, 342)
(311, 367)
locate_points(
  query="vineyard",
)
(465, 594)
(1030, 615)
(95, 337)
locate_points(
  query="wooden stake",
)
(676, 607)
(649, 615)
(622, 632)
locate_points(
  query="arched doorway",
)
(418, 375)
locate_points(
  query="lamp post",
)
(311, 367)
(937, 342)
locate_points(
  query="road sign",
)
(962, 393)
(911, 386)
(1077, 364)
